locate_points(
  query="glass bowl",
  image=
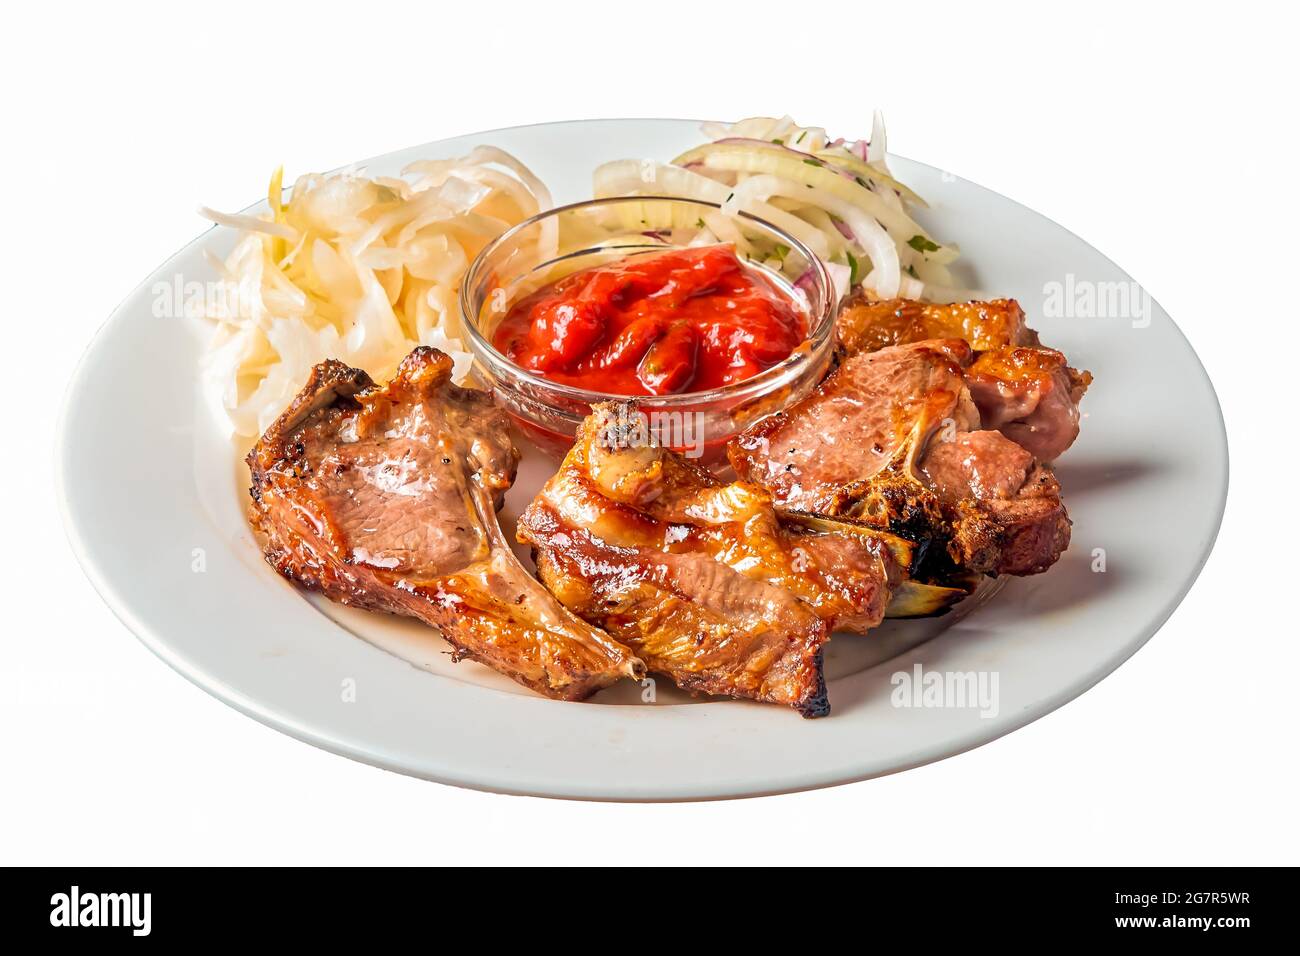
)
(560, 241)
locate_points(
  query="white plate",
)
(153, 498)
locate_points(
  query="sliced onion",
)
(910, 288)
(248, 223)
(625, 177)
(835, 197)
(877, 148)
(841, 277)
(628, 177)
(812, 173)
(869, 234)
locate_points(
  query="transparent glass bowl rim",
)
(819, 332)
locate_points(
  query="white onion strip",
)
(886, 271)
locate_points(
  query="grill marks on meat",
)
(892, 439)
(385, 498)
(696, 575)
(1022, 389)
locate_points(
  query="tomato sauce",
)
(655, 324)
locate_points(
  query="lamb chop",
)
(697, 575)
(892, 440)
(1022, 389)
(385, 498)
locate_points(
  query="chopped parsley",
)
(853, 268)
(813, 162)
(922, 244)
(799, 138)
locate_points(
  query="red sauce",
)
(655, 324)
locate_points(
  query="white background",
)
(1166, 139)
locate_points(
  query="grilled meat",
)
(892, 439)
(867, 325)
(1005, 514)
(385, 498)
(1031, 395)
(1026, 391)
(696, 575)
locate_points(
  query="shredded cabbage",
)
(836, 197)
(357, 269)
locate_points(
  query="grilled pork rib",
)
(892, 439)
(1026, 391)
(385, 498)
(694, 574)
